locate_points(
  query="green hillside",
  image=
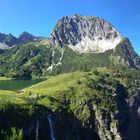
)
(33, 60)
(81, 96)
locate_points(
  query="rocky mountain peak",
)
(25, 34)
(2, 37)
(25, 37)
(85, 34)
(8, 40)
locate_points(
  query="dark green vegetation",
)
(23, 61)
(83, 105)
(33, 59)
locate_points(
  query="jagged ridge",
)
(9, 40)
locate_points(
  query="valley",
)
(80, 83)
(82, 96)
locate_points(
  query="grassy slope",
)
(10, 96)
(48, 87)
(4, 78)
(55, 84)
(7, 95)
(61, 82)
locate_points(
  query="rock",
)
(26, 37)
(8, 41)
(85, 34)
(133, 122)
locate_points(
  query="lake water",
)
(16, 85)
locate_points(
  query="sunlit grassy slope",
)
(10, 96)
(56, 83)
(48, 87)
(102, 79)
(61, 82)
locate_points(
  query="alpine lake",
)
(16, 85)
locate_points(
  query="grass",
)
(55, 84)
(4, 78)
(55, 87)
(9, 89)
(104, 70)
(51, 87)
(10, 96)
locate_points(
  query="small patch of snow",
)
(50, 68)
(60, 59)
(61, 56)
(59, 63)
(53, 53)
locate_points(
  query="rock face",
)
(26, 37)
(132, 131)
(85, 34)
(2, 37)
(7, 41)
(126, 55)
(94, 35)
(10, 40)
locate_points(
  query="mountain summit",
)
(26, 37)
(8, 41)
(85, 34)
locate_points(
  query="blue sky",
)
(40, 16)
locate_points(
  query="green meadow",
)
(52, 87)
(9, 89)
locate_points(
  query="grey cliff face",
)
(132, 131)
(72, 30)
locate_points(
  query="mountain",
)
(90, 88)
(85, 34)
(10, 40)
(27, 37)
(2, 37)
(7, 41)
(93, 35)
(76, 43)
